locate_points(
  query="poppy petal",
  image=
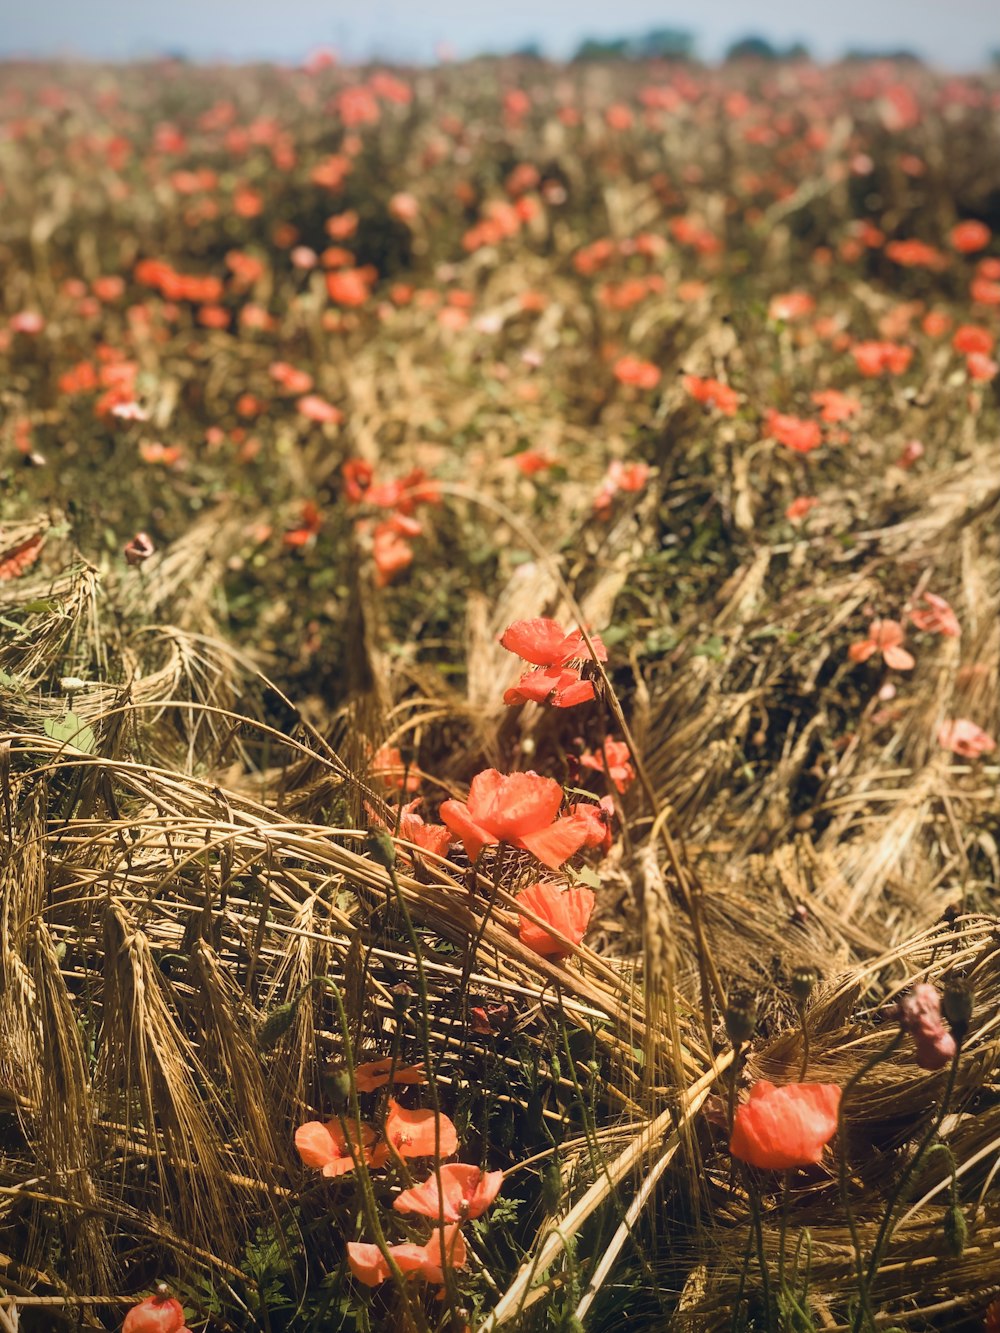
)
(455, 814)
(899, 658)
(367, 1263)
(557, 843)
(539, 641)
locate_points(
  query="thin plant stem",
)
(734, 1074)
(425, 1034)
(744, 1269)
(842, 1165)
(758, 1231)
(805, 1044)
(786, 1191)
(885, 1230)
(369, 1206)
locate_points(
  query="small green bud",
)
(337, 1086)
(380, 847)
(957, 1004)
(275, 1024)
(741, 1016)
(552, 1187)
(803, 980)
(955, 1232)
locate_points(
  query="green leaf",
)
(713, 647)
(73, 732)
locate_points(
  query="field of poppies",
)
(499, 574)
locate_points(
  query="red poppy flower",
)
(885, 637)
(310, 522)
(965, 738)
(465, 1191)
(915, 254)
(800, 507)
(348, 287)
(28, 322)
(156, 1314)
(318, 409)
(531, 461)
(985, 291)
(419, 1133)
(969, 338)
(980, 366)
(341, 226)
(713, 394)
(793, 432)
(878, 358)
(325, 1147)
(391, 552)
(616, 761)
(367, 1263)
(836, 406)
(936, 323)
(375, 1074)
(388, 767)
(520, 809)
(291, 379)
(969, 236)
(369, 1266)
(566, 908)
(431, 837)
(631, 370)
(619, 477)
(913, 451)
(561, 687)
(598, 820)
(781, 1128)
(920, 1015)
(937, 618)
(545, 643)
(791, 305)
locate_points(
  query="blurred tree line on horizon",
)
(681, 44)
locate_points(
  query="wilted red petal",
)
(375, 1074)
(566, 909)
(965, 738)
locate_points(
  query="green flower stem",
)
(432, 1089)
(888, 1220)
(882, 1054)
(734, 1074)
(369, 1204)
(758, 1233)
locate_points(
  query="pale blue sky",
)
(958, 34)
